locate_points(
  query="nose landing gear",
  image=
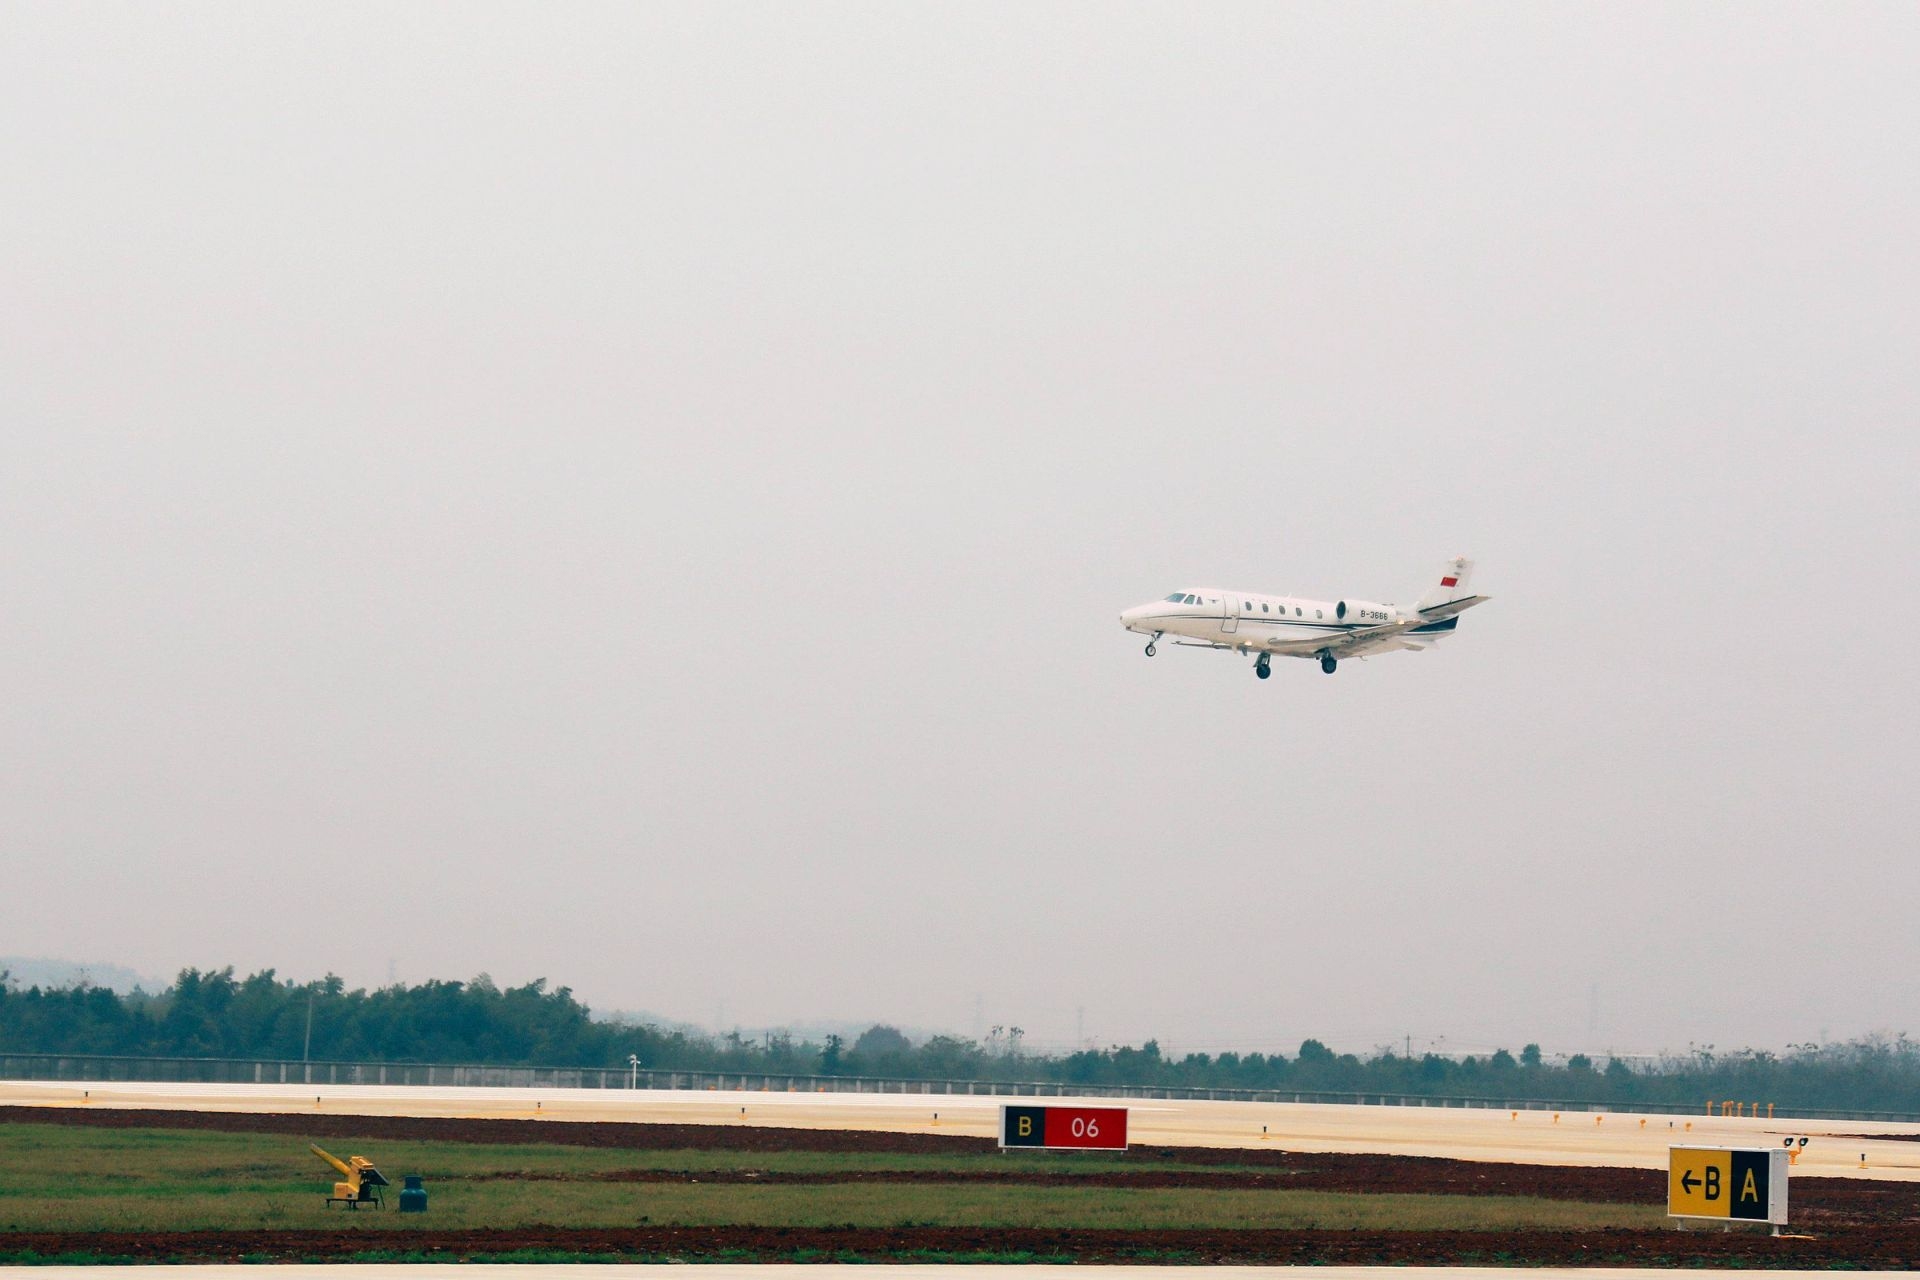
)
(1327, 661)
(1150, 649)
(1263, 665)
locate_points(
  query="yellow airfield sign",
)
(1744, 1184)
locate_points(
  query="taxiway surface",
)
(814, 1271)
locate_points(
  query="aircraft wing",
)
(1358, 644)
(1351, 644)
(1404, 634)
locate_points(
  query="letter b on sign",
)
(1023, 1126)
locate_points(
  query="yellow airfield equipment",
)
(361, 1181)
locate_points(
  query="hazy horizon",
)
(49, 972)
(643, 496)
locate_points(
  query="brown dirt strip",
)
(1365, 1174)
(565, 1133)
(1882, 1248)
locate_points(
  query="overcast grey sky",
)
(641, 495)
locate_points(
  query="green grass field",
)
(58, 1178)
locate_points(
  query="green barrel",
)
(413, 1196)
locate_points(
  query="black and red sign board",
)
(1065, 1128)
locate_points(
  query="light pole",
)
(633, 1071)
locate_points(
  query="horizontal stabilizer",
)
(1435, 612)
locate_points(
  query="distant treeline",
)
(214, 1015)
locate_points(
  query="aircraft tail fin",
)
(1452, 585)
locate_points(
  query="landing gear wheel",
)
(1150, 649)
(1263, 667)
(1328, 662)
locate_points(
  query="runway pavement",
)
(1525, 1137)
(814, 1271)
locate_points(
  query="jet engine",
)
(1365, 611)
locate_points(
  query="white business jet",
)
(1241, 621)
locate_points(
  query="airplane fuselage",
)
(1242, 619)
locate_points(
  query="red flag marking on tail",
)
(1447, 582)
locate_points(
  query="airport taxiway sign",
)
(1064, 1128)
(1746, 1184)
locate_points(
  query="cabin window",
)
(1263, 608)
(1249, 604)
(1318, 614)
(1296, 611)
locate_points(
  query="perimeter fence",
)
(80, 1068)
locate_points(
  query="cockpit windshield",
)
(1177, 598)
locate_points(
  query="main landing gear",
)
(1263, 665)
(1327, 661)
(1150, 649)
